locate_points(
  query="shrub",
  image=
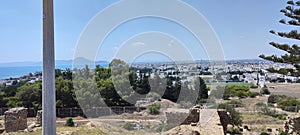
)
(264, 133)
(252, 86)
(281, 116)
(154, 109)
(235, 103)
(265, 90)
(260, 104)
(276, 98)
(283, 133)
(129, 125)
(240, 91)
(234, 131)
(153, 95)
(253, 94)
(290, 104)
(69, 122)
(235, 116)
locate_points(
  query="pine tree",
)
(292, 56)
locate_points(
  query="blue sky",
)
(241, 25)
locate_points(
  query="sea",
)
(18, 71)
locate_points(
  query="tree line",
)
(114, 86)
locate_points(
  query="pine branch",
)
(291, 12)
(295, 50)
(287, 58)
(291, 22)
(285, 71)
(292, 57)
(273, 58)
(292, 34)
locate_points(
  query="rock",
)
(195, 133)
(193, 124)
(15, 119)
(90, 125)
(30, 128)
(198, 106)
(292, 125)
(39, 118)
(246, 127)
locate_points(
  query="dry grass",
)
(283, 89)
(260, 122)
(69, 131)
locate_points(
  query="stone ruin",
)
(292, 126)
(177, 117)
(39, 118)
(225, 119)
(15, 119)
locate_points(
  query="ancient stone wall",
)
(15, 119)
(177, 117)
(225, 119)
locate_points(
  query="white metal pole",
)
(49, 107)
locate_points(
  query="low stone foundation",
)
(177, 117)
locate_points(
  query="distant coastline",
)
(7, 72)
(18, 69)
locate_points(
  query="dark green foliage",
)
(283, 133)
(254, 94)
(203, 91)
(70, 122)
(286, 103)
(276, 98)
(235, 103)
(234, 131)
(252, 86)
(292, 56)
(154, 109)
(65, 95)
(281, 116)
(240, 91)
(265, 90)
(113, 86)
(30, 95)
(264, 133)
(128, 125)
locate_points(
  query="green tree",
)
(65, 95)
(201, 86)
(292, 56)
(30, 95)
